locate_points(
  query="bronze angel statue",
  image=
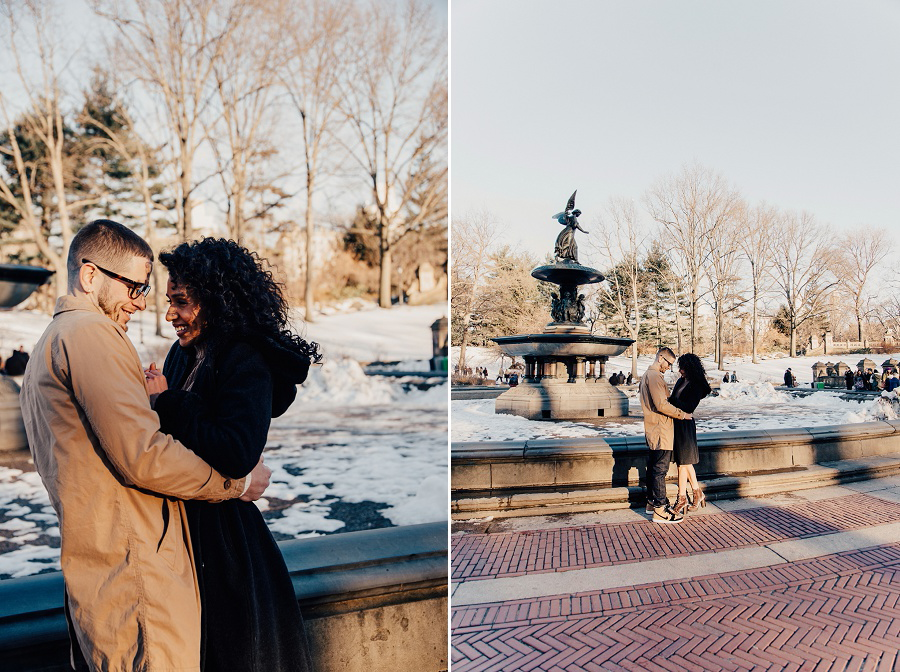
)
(565, 241)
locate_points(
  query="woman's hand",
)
(156, 382)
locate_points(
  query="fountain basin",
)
(562, 345)
(18, 282)
(567, 273)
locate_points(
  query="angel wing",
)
(571, 204)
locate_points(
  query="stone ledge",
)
(574, 500)
(371, 577)
(501, 477)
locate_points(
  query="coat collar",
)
(67, 303)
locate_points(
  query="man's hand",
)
(688, 416)
(156, 382)
(259, 481)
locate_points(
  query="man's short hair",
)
(106, 243)
(667, 354)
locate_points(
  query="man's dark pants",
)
(657, 467)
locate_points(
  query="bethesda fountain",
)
(565, 366)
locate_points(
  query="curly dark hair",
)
(238, 296)
(693, 369)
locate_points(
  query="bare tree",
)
(43, 121)
(756, 246)
(394, 97)
(141, 158)
(473, 237)
(859, 253)
(622, 245)
(692, 205)
(243, 133)
(722, 271)
(316, 43)
(802, 269)
(172, 47)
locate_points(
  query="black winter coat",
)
(686, 395)
(250, 618)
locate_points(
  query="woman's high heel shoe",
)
(697, 500)
(680, 505)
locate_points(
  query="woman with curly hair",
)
(687, 393)
(235, 366)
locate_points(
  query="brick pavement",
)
(484, 556)
(832, 612)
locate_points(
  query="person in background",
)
(848, 378)
(630, 379)
(893, 382)
(875, 380)
(789, 379)
(16, 363)
(725, 378)
(734, 377)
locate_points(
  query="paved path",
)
(805, 581)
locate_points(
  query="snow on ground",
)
(752, 403)
(768, 369)
(352, 452)
(367, 335)
(377, 334)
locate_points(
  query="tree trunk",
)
(720, 318)
(463, 342)
(187, 232)
(693, 321)
(753, 330)
(310, 238)
(677, 319)
(384, 271)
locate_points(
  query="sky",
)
(795, 103)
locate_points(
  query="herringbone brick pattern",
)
(838, 612)
(485, 556)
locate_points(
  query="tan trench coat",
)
(658, 412)
(126, 559)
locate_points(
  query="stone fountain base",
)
(584, 400)
(565, 377)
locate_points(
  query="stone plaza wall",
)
(373, 601)
(565, 475)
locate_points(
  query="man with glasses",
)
(115, 481)
(659, 433)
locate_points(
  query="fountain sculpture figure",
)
(565, 366)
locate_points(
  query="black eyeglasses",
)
(135, 289)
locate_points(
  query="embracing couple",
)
(168, 564)
(669, 428)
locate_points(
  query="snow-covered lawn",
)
(352, 452)
(768, 369)
(751, 403)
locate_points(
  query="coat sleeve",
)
(107, 381)
(656, 386)
(228, 430)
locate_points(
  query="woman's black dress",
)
(686, 395)
(250, 618)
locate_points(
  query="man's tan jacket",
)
(113, 478)
(658, 411)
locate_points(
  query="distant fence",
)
(373, 601)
